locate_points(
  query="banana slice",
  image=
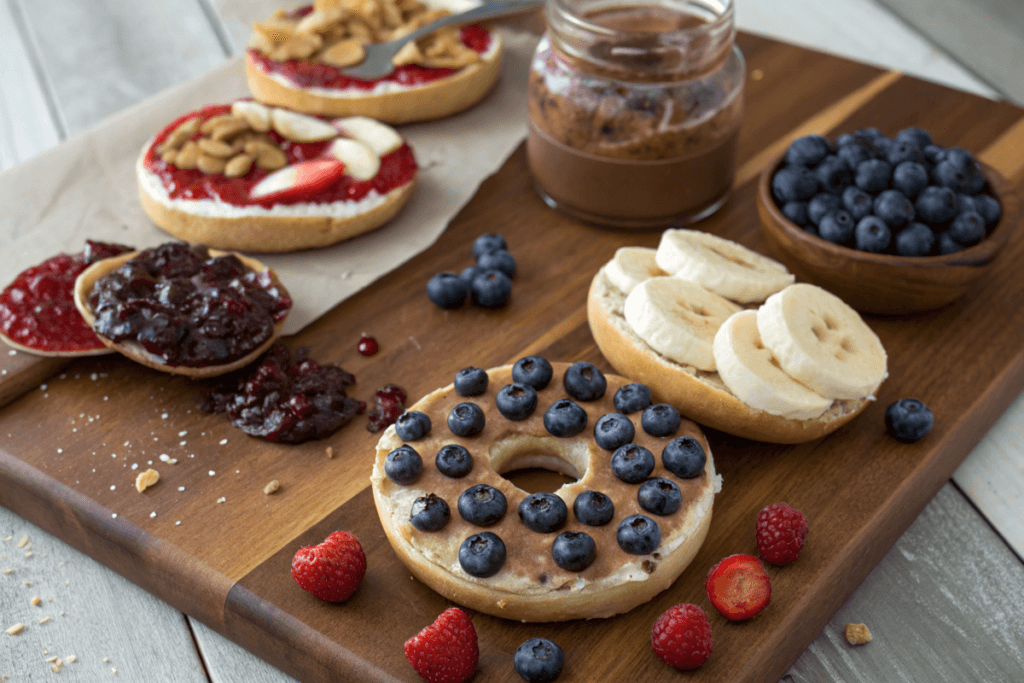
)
(822, 342)
(678, 319)
(632, 265)
(753, 374)
(721, 266)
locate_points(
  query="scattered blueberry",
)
(796, 212)
(593, 508)
(968, 229)
(429, 513)
(632, 397)
(453, 461)
(873, 175)
(534, 371)
(837, 227)
(872, 234)
(482, 505)
(516, 401)
(684, 457)
(638, 535)
(403, 465)
(908, 419)
(538, 660)
(936, 205)
(910, 178)
(659, 496)
(412, 425)
(447, 290)
(487, 243)
(471, 381)
(633, 464)
(565, 418)
(613, 430)
(794, 183)
(917, 239)
(482, 554)
(823, 204)
(660, 420)
(466, 419)
(468, 273)
(543, 512)
(573, 551)
(808, 150)
(491, 289)
(894, 208)
(498, 260)
(857, 202)
(584, 382)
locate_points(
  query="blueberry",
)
(810, 229)
(959, 171)
(659, 496)
(543, 512)
(845, 139)
(632, 397)
(947, 245)
(660, 420)
(988, 208)
(794, 183)
(584, 382)
(498, 260)
(491, 289)
(429, 513)
(403, 465)
(966, 203)
(468, 274)
(796, 212)
(916, 136)
(894, 208)
(936, 204)
(466, 419)
(837, 227)
(565, 418)
(412, 425)
(808, 150)
(538, 660)
(833, 174)
(633, 464)
(482, 554)
(917, 239)
(968, 229)
(910, 178)
(857, 202)
(684, 457)
(821, 205)
(482, 505)
(933, 153)
(471, 381)
(872, 234)
(533, 371)
(904, 151)
(855, 154)
(516, 401)
(453, 461)
(613, 430)
(488, 243)
(873, 175)
(593, 508)
(908, 419)
(638, 535)
(447, 290)
(573, 551)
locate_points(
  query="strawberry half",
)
(446, 651)
(300, 180)
(739, 587)
(332, 570)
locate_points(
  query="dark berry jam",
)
(285, 402)
(187, 307)
(390, 404)
(367, 346)
(306, 74)
(396, 169)
(38, 311)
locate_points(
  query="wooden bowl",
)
(882, 283)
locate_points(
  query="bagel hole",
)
(538, 464)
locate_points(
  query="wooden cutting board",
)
(208, 540)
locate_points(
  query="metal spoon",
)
(377, 63)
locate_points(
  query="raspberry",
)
(446, 651)
(739, 587)
(681, 637)
(332, 570)
(781, 532)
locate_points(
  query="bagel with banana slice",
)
(726, 336)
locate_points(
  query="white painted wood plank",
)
(230, 663)
(95, 614)
(26, 126)
(945, 605)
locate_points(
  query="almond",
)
(188, 157)
(211, 164)
(229, 129)
(215, 148)
(343, 53)
(256, 114)
(238, 166)
(268, 156)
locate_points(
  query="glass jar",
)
(635, 107)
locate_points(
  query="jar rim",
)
(581, 22)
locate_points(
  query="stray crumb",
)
(26, 583)
(857, 634)
(52, 660)
(756, 75)
(8, 571)
(272, 487)
(9, 538)
(36, 601)
(55, 668)
(16, 629)
(28, 554)
(146, 479)
(106, 659)
(330, 452)
(23, 542)
(70, 659)
(113, 670)
(43, 620)
(222, 499)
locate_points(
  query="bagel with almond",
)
(725, 335)
(296, 60)
(248, 177)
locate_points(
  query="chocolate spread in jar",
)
(631, 130)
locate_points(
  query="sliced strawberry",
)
(739, 587)
(298, 180)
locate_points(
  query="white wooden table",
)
(945, 604)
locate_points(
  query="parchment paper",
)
(85, 188)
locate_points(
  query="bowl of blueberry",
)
(891, 225)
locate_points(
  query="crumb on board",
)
(36, 601)
(857, 634)
(272, 487)
(146, 479)
(16, 629)
(23, 542)
(330, 452)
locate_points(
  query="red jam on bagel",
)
(611, 540)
